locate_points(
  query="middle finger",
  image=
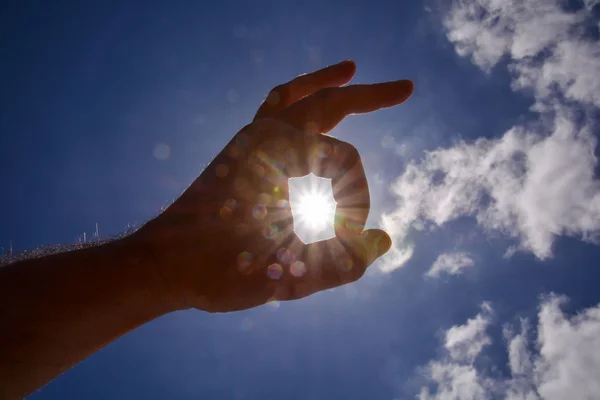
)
(322, 111)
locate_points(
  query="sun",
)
(313, 207)
(315, 210)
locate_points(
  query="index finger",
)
(288, 93)
(323, 110)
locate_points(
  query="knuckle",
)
(280, 94)
(326, 94)
(348, 151)
(356, 274)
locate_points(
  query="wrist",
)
(142, 272)
(157, 268)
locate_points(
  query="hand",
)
(228, 242)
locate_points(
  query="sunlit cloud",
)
(455, 376)
(162, 151)
(558, 364)
(537, 181)
(546, 47)
(451, 264)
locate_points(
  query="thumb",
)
(338, 261)
(370, 245)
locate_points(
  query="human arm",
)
(57, 310)
(214, 247)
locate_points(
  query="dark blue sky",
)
(108, 110)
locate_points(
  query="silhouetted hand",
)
(228, 242)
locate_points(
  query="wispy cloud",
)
(465, 342)
(537, 181)
(545, 46)
(450, 263)
(525, 185)
(455, 376)
(559, 364)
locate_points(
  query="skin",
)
(226, 244)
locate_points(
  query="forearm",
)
(57, 310)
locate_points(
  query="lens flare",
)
(274, 271)
(286, 256)
(298, 269)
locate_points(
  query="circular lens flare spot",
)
(286, 256)
(387, 142)
(270, 232)
(230, 203)
(273, 303)
(274, 271)
(244, 260)
(222, 170)
(346, 264)
(323, 150)
(264, 198)
(259, 211)
(225, 213)
(298, 269)
(162, 151)
(282, 203)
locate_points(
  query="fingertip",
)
(347, 69)
(409, 84)
(350, 64)
(406, 88)
(384, 244)
(379, 240)
(394, 93)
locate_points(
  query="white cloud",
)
(525, 185)
(536, 182)
(454, 381)
(455, 376)
(542, 42)
(571, 71)
(465, 342)
(488, 30)
(561, 364)
(569, 362)
(395, 258)
(518, 353)
(450, 263)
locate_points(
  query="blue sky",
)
(486, 179)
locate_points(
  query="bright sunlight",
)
(313, 207)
